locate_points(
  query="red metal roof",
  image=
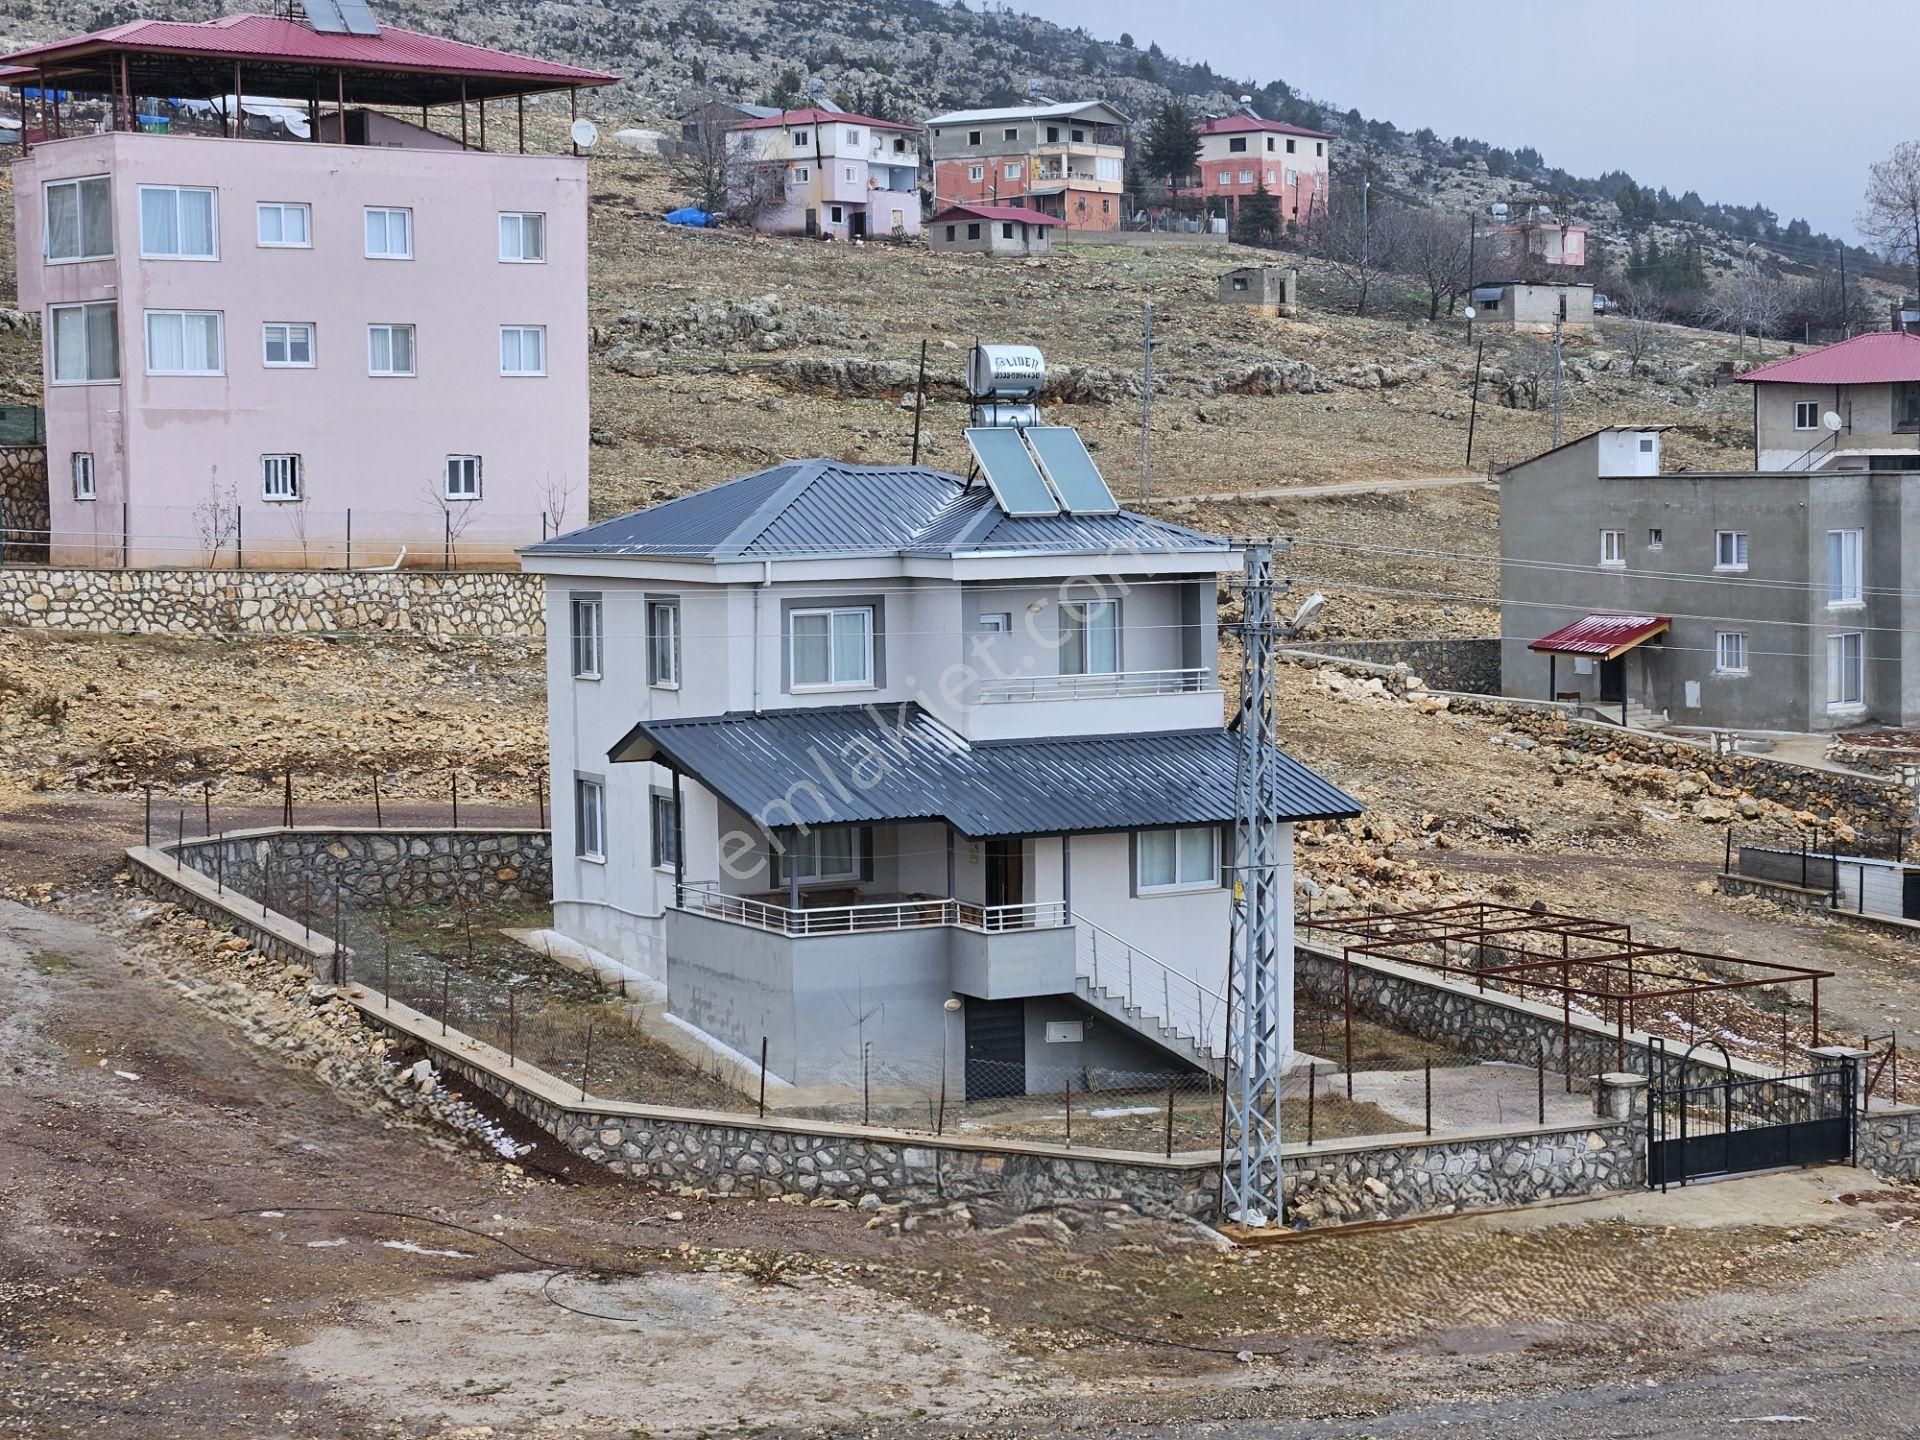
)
(998, 212)
(264, 39)
(1880, 358)
(1239, 124)
(811, 116)
(1605, 635)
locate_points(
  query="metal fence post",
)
(1069, 1095)
(446, 987)
(379, 820)
(763, 1077)
(1540, 1077)
(1170, 1119)
(455, 778)
(586, 1060)
(148, 841)
(1428, 1066)
(1313, 1072)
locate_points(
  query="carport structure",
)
(1575, 961)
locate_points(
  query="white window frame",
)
(287, 329)
(521, 332)
(281, 208)
(281, 481)
(663, 644)
(802, 174)
(1846, 565)
(1730, 652)
(86, 343)
(976, 172)
(1182, 882)
(1806, 414)
(663, 820)
(1838, 665)
(1656, 537)
(590, 819)
(1613, 548)
(805, 848)
(586, 621)
(517, 222)
(219, 340)
(1011, 170)
(1730, 551)
(1078, 616)
(865, 681)
(78, 184)
(413, 350)
(465, 465)
(387, 212)
(995, 622)
(85, 482)
(213, 220)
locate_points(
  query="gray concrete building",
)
(1754, 600)
(1272, 289)
(1522, 305)
(1854, 405)
(991, 230)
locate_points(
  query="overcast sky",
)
(1690, 94)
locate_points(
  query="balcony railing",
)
(872, 918)
(1190, 681)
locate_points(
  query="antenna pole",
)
(919, 399)
(1146, 403)
(1556, 383)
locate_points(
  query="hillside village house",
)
(213, 305)
(1529, 240)
(1065, 160)
(1770, 599)
(1870, 385)
(992, 230)
(826, 172)
(1241, 153)
(1533, 306)
(837, 745)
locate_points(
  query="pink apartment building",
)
(828, 172)
(1240, 153)
(261, 351)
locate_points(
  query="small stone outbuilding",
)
(992, 230)
(1271, 289)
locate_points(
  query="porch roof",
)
(858, 765)
(1609, 636)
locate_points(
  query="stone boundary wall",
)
(1887, 1142)
(1860, 800)
(26, 511)
(1363, 1179)
(379, 867)
(1879, 759)
(1469, 666)
(1814, 902)
(497, 604)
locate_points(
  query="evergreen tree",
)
(1258, 220)
(1171, 149)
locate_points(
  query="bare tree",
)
(1434, 248)
(1361, 242)
(216, 519)
(556, 500)
(1892, 215)
(1750, 304)
(699, 166)
(1638, 330)
(455, 517)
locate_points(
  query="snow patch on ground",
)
(413, 1249)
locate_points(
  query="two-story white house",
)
(826, 172)
(852, 757)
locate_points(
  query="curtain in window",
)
(159, 228)
(849, 647)
(812, 652)
(63, 222)
(196, 222)
(166, 343)
(70, 344)
(1196, 855)
(1090, 638)
(103, 342)
(1157, 858)
(836, 851)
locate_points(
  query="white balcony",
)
(871, 917)
(1190, 681)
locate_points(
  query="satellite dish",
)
(585, 134)
(1470, 312)
(1831, 420)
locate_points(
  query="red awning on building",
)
(1608, 636)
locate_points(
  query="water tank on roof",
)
(1005, 372)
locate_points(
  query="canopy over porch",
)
(1602, 636)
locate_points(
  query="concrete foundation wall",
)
(497, 604)
(376, 868)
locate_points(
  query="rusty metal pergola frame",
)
(1578, 960)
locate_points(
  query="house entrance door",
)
(857, 225)
(1006, 878)
(1613, 680)
(996, 1049)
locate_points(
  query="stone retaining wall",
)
(25, 511)
(741, 1154)
(380, 867)
(1888, 1143)
(1470, 665)
(496, 604)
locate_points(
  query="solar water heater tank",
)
(1005, 372)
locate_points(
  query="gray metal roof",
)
(823, 507)
(860, 765)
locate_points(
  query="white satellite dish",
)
(1831, 420)
(585, 134)
(1470, 312)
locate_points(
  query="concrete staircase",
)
(1137, 992)
(1639, 717)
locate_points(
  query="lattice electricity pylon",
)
(1256, 1051)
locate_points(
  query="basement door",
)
(996, 1049)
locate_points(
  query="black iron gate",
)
(1703, 1119)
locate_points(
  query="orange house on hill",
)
(1239, 153)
